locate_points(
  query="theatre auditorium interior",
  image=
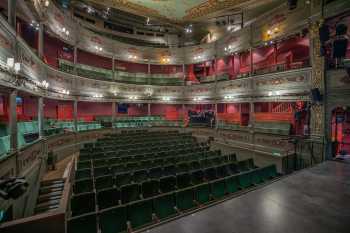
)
(174, 116)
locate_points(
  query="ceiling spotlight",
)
(97, 96)
(17, 67)
(46, 3)
(10, 62)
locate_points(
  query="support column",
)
(13, 120)
(321, 145)
(216, 116)
(41, 116)
(183, 115)
(41, 41)
(75, 58)
(11, 12)
(251, 61)
(251, 114)
(149, 109)
(75, 115)
(113, 68)
(114, 111)
(149, 73)
(184, 73)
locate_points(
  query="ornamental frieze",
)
(279, 81)
(29, 156)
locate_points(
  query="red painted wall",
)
(169, 111)
(88, 110)
(138, 110)
(94, 60)
(30, 107)
(55, 109)
(54, 49)
(166, 69)
(131, 67)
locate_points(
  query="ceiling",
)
(176, 11)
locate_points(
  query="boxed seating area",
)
(132, 179)
(282, 128)
(53, 127)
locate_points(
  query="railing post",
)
(75, 115)
(11, 12)
(40, 116)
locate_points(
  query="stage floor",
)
(314, 200)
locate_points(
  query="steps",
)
(50, 194)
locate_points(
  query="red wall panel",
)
(88, 110)
(131, 67)
(94, 60)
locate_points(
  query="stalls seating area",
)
(4, 145)
(144, 121)
(132, 179)
(222, 124)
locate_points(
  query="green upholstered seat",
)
(140, 213)
(202, 193)
(113, 220)
(140, 176)
(218, 188)
(82, 203)
(183, 180)
(244, 180)
(164, 205)
(83, 174)
(130, 192)
(104, 182)
(101, 171)
(232, 184)
(185, 199)
(197, 177)
(150, 188)
(210, 173)
(85, 223)
(81, 186)
(108, 198)
(167, 184)
(84, 165)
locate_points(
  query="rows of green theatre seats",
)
(230, 126)
(146, 121)
(164, 174)
(120, 76)
(282, 128)
(4, 145)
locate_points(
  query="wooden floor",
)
(59, 171)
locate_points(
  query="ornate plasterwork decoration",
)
(317, 79)
(279, 81)
(200, 10)
(211, 6)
